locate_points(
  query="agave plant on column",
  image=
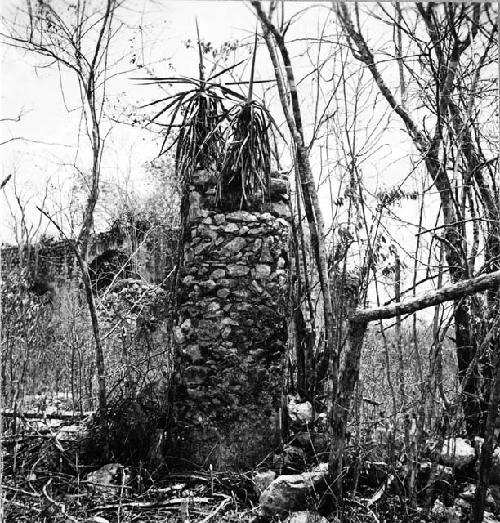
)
(198, 112)
(246, 162)
(218, 129)
(246, 165)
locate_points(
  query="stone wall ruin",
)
(144, 253)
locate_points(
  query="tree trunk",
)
(340, 411)
(446, 66)
(358, 323)
(488, 445)
(312, 206)
(99, 353)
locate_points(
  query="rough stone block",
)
(213, 306)
(241, 216)
(261, 272)
(223, 293)
(259, 231)
(280, 209)
(194, 353)
(230, 228)
(238, 270)
(235, 245)
(218, 274)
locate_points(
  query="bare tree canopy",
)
(250, 249)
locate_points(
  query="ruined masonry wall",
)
(232, 329)
(55, 262)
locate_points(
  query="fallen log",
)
(151, 504)
(64, 415)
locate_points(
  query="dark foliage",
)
(125, 431)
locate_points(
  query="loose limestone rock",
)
(305, 516)
(492, 501)
(285, 494)
(457, 453)
(281, 209)
(106, 479)
(289, 493)
(495, 467)
(442, 513)
(241, 216)
(72, 433)
(262, 480)
(301, 413)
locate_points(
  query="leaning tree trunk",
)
(312, 206)
(341, 407)
(358, 323)
(446, 70)
(476, 171)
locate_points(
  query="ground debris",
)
(49, 482)
(41, 485)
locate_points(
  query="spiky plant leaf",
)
(246, 162)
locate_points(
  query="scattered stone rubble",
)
(300, 412)
(292, 495)
(126, 300)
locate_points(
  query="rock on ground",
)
(305, 516)
(301, 413)
(446, 514)
(107, 479)
(289, 493)
(262, 480)
(495, 468)
(457, 453)
(72, 433)
(492, 497)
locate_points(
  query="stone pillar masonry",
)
(231, 331)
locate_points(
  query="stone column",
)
(231, 331)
